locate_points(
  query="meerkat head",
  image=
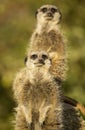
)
(48, 13)
(38, 59)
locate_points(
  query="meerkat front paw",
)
(43, 112)
(28, 114)
(29, 119)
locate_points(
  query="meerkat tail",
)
(74, 103)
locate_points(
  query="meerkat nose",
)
(41, 60)
(49, 14)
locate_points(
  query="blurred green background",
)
(17, 22)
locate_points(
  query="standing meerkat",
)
(38, 96)
(48, 37)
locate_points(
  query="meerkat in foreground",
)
(48, 37)
(39, 99)
(38, 95)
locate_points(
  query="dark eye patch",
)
(44, 56)
(33, 56)
(44, 10)
(53, 10)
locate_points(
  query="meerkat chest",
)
(38, 76)
(45, 40)
(41, 85)
(42, 91)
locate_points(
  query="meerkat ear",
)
(25, 59)
(60, 18)
(36, 14)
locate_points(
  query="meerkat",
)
(39, 98)
(48, 37)
(38, 95)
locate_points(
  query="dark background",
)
(17, 22)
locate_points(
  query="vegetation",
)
(17, 22)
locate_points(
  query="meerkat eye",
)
(44, 10)
(53, 10)
(44, 56)
(33, 57)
